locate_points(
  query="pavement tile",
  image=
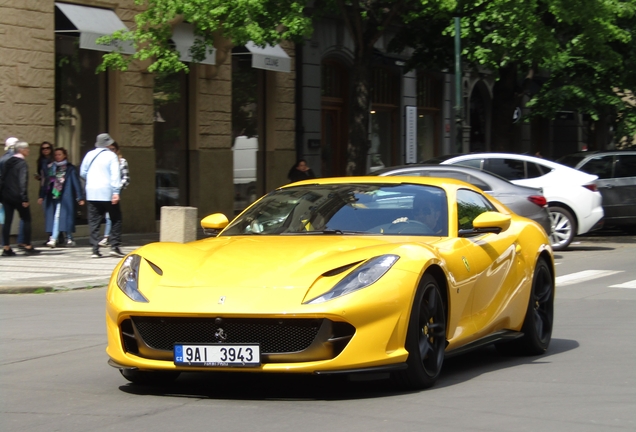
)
(63, 268)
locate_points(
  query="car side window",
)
(625, 166)
(470, 204)
(474, 163)
(600, 166)
(535, 170)
(510, 169)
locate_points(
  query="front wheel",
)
(563, 227)
(426, 337)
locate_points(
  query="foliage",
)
(240, 21)
(585, 48)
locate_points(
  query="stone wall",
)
(27, 110)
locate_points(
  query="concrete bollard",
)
(178, 224)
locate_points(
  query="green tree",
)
(239, 21)
(584, 47)
(270, 21)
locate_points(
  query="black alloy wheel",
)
(537, 325)
(426, 337)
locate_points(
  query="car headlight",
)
(128, 278)
(365, 275)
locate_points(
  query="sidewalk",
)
(64, 268)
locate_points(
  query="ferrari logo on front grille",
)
(220, 335)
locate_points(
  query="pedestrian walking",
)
(8, 152)
(125, 181)
(14, 187)
(61, 189)
(100, 169)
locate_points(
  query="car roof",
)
(437, 167)
(575, 160)
(524, 157)
(432, 181)
(490, 178)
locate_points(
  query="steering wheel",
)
(398, 226)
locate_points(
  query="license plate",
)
(235, 355)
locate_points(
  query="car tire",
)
(629, 229)
(563, 227)
(426, 337)
(537, 325)
(136, 376)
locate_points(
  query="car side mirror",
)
(487, 222)
(214, 223)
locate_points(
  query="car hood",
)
(269, 261)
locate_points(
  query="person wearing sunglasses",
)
(44, 159)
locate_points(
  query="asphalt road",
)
(54, 374)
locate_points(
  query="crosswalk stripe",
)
(630, 284)
(583, 275)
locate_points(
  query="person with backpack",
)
(125, 181)
(100, 169)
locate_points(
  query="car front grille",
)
(274, 335)
(281, 340)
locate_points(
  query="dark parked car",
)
(523, 200)
(616, 171)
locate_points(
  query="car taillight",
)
(591, 186)
(538, 200)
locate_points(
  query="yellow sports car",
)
(337, 275)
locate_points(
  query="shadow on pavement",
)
(250, 386)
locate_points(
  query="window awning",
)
(183, 37)
(272, 58)
(92, 23)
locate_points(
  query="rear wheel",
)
(563, 227)
(149, 378)
(426, 337)
(537, 326)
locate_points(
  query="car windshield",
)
(338, 209)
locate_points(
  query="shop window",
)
(80, 97)
(385, 99)
(429, 101)
(171, 140)
(244, 130)
(81, 102)
(334, 88)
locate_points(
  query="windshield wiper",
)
(326, 232)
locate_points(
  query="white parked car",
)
(574, 201)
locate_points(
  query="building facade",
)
(177, 131)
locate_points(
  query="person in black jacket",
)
(300, 171)
(14, 196)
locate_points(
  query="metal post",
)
(458, 85)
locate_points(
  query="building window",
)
(334, 88)
(80, 97)
(385, 98)
(171, 139)
(245, 143)
(429, 102)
